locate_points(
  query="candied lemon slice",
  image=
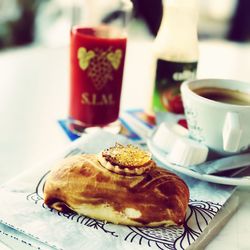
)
(127, 156)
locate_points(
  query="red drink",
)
(97, 62)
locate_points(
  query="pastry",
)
(121, 185)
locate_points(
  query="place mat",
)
(134, 124)
(23, 210)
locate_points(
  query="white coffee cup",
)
(222, 126)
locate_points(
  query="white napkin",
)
(22, 209)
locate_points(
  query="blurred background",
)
(47, 22)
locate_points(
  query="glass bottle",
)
(176, 53)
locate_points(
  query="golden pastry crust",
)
(124, 170)
(128, 156)
(126, 160)
(80, 183)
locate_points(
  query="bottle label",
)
(169, 76)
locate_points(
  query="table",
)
(34, 95)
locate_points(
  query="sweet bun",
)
(121, 185)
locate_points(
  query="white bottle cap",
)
(166, 135)
(186, 152)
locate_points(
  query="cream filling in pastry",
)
(127, 217)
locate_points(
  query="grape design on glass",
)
(99, 64)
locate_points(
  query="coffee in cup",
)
(218, 113)
(224, 95)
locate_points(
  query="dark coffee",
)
(224, 95)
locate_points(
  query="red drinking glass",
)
(97, 56)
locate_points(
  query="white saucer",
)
(161, 157)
